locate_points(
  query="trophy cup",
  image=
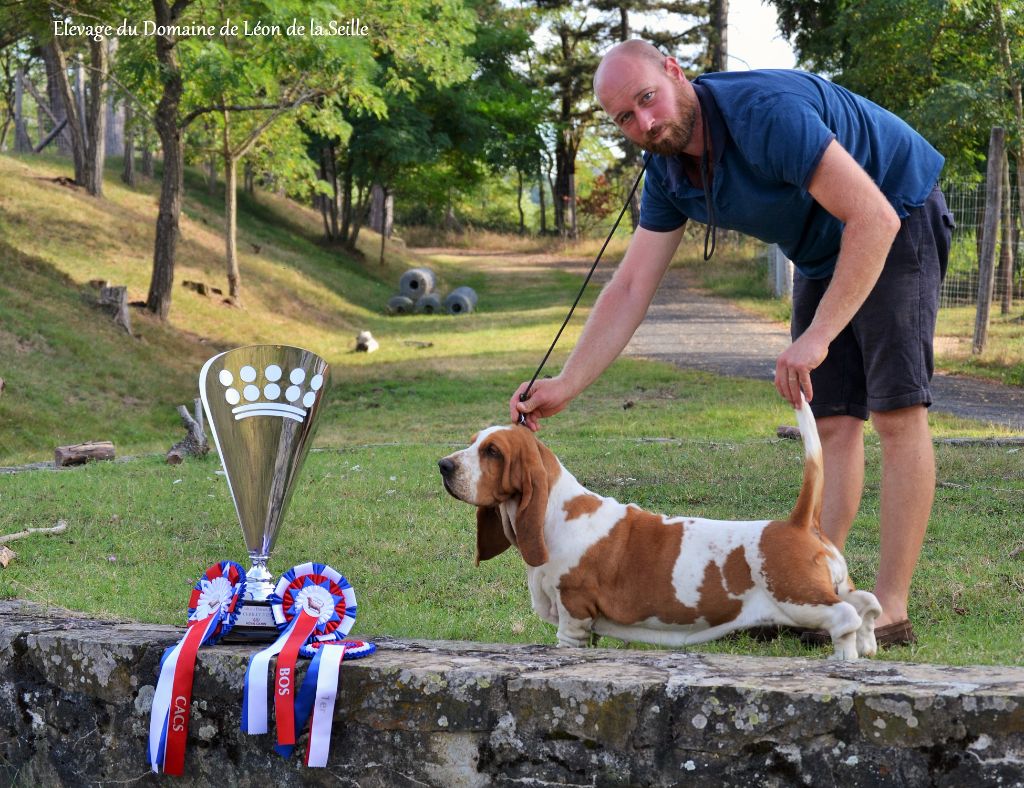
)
(262, 403)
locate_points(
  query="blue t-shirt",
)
(769, 130)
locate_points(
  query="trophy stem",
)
(258, 579)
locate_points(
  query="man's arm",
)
(619, 310)
(842, 188)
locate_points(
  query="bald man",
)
(849, 192)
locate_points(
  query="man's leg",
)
(842, 446)
(908, 489)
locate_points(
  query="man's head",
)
(648, 97)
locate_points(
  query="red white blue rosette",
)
(315, 587)
(214, 605)
(221, 588)
(311, 603)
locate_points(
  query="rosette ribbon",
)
(213, 608)
(311, 603)
(318, 692)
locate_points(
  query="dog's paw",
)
(845, 647)
(568, 642)
(866, 644)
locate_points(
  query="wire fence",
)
(960, 287)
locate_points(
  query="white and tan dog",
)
(598, 565)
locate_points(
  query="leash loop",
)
(526, 392)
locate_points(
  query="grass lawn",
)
(369, 501)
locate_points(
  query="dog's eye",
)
(492, 451)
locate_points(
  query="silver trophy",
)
(262, 403)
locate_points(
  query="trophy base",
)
(255, 624)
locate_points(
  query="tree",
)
(420, 51)
(675, 26)
(484, 128)
(947, 69)
(86, 119)
(88, 130)
(256, 81)
(568, 66)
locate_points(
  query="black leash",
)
(526, 393)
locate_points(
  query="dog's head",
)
(503, 465)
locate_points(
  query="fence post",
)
(990, 227)
(1006, 243)
(782, 272)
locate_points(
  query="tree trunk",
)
(320, 200)
(360, 214)
(231, 222)
(211, 175)
(718, 42)
(115, 114)
(385, 223)
(986, 263)
(146, 156)
(172, 184)
(96, 118)
(63, 85)
(541, 195)
(346, 201)
(1005, 276)
(565, 179)
(22, 143)
(54, 104)
(519, 202)
(382, 209)
(128, 172)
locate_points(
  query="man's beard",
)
(673, 135)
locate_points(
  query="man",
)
(849, 193)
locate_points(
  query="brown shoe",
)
(900, 633)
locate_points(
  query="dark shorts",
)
(883, 360)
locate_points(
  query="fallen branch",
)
(83, 452)
(59, 528)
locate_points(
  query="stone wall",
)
(75, 697)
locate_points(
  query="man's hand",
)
(793, 367)
(547, 397)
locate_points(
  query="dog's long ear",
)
(490, 536)
(533, 484)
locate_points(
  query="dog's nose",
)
(446, 465)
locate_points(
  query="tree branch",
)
(187, 120)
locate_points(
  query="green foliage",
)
(935, 64)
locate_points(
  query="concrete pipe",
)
(416, 282)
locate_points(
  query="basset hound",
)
(597, 565)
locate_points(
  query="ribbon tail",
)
(176, 730)
(284, 681)
(323, 709)
(254, 698)
(161, 706)
(303, 703)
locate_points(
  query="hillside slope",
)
(71, 375)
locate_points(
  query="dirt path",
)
(692, 330)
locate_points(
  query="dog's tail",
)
(807, 512)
